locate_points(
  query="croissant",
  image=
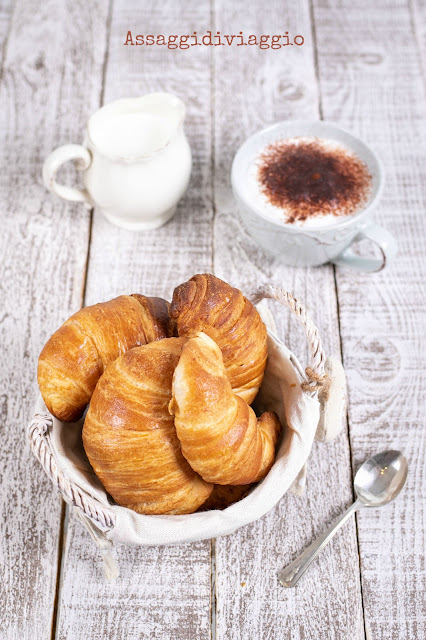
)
(219, 433)
(129, 435)
(206, 303)
(223, 496)
(75, 357)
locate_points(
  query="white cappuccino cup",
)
(320, 240)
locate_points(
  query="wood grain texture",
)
(372, 85)
(43, 96)
(161, 592)
(265, 87)
(418, 23)
(6, 10)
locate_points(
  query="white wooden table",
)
(361, 67)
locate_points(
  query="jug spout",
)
(165, 105)
(134, 128)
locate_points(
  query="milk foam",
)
(259, 200)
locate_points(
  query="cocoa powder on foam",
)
(309, 178)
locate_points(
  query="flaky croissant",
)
(223, 496)
(130, 439)
(219, 433)
(206, 303)
(74, 358)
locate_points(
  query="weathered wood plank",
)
(51, 76)
(253, 89)
(6, 8)
(418, 18)
(372, 84)
(161, 592)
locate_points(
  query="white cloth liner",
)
(281, 391)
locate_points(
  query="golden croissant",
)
(130, 439)
(223, 496)
(206, 303)
(75, 357)
(219, 433)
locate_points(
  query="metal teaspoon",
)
(376, 483)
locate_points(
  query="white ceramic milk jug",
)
(135, 159)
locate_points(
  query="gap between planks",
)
(213, 589)
(213, 205)
(212, 129)
(61, 552)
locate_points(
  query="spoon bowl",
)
(381, 478)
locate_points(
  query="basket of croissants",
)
(147, 425)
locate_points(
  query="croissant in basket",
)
(154, 464)
(206, 303)
(130, 438)
(219, 433)
(223, 496)
(76, 355)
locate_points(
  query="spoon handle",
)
(290, 575)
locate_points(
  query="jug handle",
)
(58, 157)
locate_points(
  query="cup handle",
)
(382, 238)
(57, 158)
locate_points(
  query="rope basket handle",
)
(317, 378)
(41, 447)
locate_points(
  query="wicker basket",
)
(310, 403)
